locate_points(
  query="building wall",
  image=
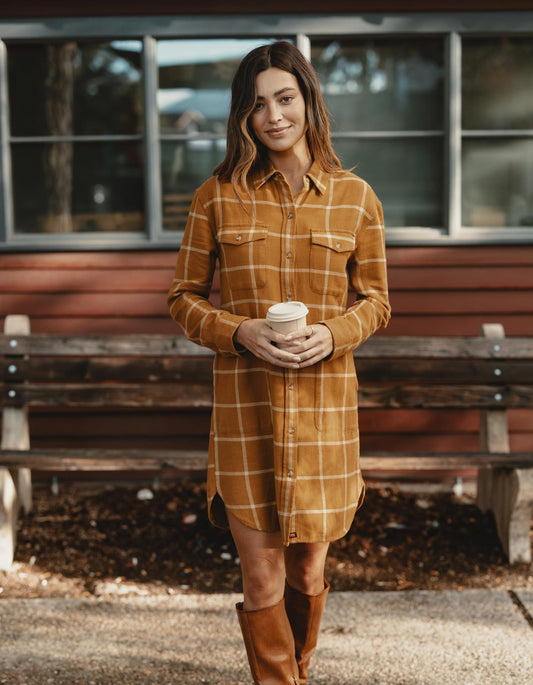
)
(434, 291)
(57, 8)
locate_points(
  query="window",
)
(386, 98)
(497, 120)
(104, 139)
(76, 119)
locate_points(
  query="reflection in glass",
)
(382, 84)
(193, 101)
(497, 83)
(72, 88)
(195, 83)
(497, 182)
(185, 165)
(101, 188)
(405, 174)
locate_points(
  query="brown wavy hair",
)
(246, 157)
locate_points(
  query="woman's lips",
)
(277, 132)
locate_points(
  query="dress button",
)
(289, 215)
(289, 255)
(291, 430)
(289, 474)
(291, 386)
(239, 237)
(338, 246)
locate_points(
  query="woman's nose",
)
(274, 113)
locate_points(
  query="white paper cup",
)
(287, 317)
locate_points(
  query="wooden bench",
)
(490, 373)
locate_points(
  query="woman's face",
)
(279, 120)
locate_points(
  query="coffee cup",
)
(287, 317)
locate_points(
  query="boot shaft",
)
(269, 645)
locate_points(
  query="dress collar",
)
(315, 175)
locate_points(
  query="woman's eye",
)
(258, 106)
(287, 99)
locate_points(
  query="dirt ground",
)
(141, 539)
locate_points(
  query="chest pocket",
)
(242, 257)
(329, 257)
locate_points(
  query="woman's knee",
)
(263, 580)
(305, 568)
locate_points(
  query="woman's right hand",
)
(257, 336)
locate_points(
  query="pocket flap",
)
(240, 235)
(339, 242)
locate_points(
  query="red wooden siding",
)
(58, 8)
(434, 291)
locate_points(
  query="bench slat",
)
(424, 462)
(156, 345)
(96, 459)
(446, 396)
(159, 369)
(41, 344)
(101, 459)
(200, 395)
(117, 395)
(71, 369)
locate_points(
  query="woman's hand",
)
(257, 336)
(317, 345)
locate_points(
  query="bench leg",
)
(15, 487)
(9, 508)
(508, 493)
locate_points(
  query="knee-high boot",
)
(305, 614)
(269, 645)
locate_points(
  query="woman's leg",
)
(263, 619)
(262, 565)
(305, 599)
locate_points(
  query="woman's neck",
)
(293, 166)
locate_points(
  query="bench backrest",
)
(169, 371)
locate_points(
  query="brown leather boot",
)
(305, 614)
(269, 645)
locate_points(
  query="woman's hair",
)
(245, 155)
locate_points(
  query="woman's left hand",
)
(317, 346)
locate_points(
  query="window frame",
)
(302, 29)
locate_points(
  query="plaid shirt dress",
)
(284, 443)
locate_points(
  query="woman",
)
(285, 222)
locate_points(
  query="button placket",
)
(289, 248)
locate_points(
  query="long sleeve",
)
(367, 271)
(188, 296)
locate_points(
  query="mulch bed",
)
(108, 541)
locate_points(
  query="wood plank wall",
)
(66, 8)
(434, 291)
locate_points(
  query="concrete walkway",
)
(474, 637)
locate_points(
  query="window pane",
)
(195, 81)
(66, 187)
(498, 182)
(185, 166)
(498, 83)
(406, 175)
(382, 84)
(71, 88)
(193, 100)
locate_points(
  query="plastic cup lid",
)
(287, 311)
